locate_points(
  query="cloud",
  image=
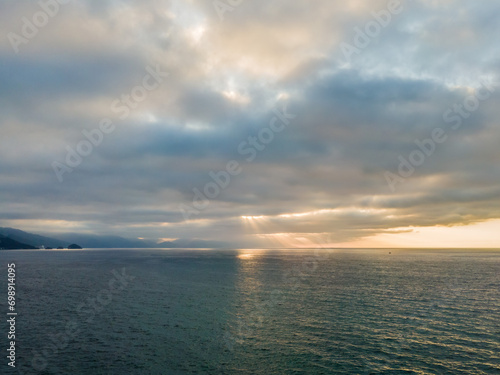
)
(325, 171)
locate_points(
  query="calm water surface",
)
(255, 312)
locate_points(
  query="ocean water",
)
(255, 312)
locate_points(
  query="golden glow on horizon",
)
(480, 235)
(160, 240)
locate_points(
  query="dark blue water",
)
(255, 312)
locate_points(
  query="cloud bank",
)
(221, 75)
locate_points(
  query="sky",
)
(259, 123)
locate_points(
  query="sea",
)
(252, 311)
